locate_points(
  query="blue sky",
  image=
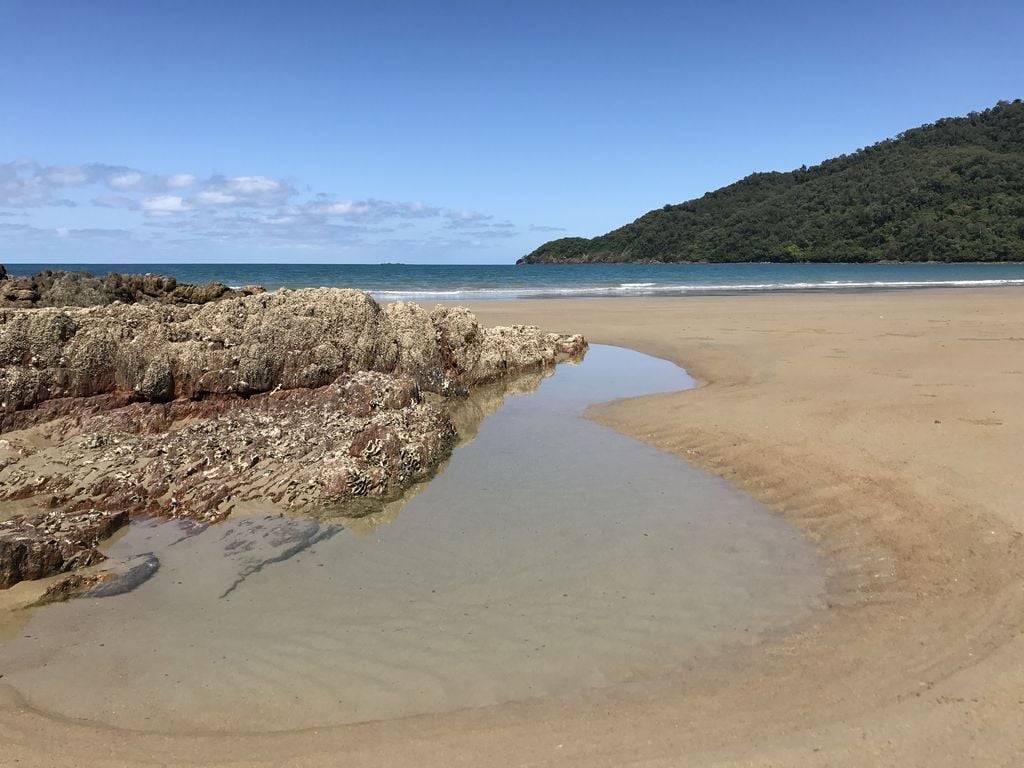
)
(448, 131)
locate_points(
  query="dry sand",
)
(887, 426)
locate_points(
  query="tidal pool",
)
(551, 556)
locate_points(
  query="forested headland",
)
(952, 190)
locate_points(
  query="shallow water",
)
(551, 556)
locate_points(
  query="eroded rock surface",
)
(367, 436)
(38, 545)
(248, 345)
(317, 401)
(57, 288)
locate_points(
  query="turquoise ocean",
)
(446, 282)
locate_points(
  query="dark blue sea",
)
(474, 282)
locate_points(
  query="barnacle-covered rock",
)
(58, 288)
(368, 434)
(317, 401)
(248, 345)
(39, 545)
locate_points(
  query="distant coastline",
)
(453, 282)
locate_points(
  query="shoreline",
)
(506, 282)
(893, 571)
(865, 420)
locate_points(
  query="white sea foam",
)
(681, 289)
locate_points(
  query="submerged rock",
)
(67, 588)
(124, 576)
(256, 543)
(115, 579)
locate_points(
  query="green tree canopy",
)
(948, 191)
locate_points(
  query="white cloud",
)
(65, 175)
(244, 191)
(116, 201)
(341, 208)
(22, 185)
(461, 216)
(251, 185)
(43, 234)
(215, 197)
(368, 209)
(188, 210)
(164, 204)
(126, 180)
(476, 224)
(27, 184)
(179, 180)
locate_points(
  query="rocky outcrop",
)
(318, 402)
(249, 345)
(57, 288)
(476, 354)
(235, 347)
(345, 448)
(34, 546)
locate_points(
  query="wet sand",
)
(888, 427)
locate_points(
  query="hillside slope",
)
(948, 191)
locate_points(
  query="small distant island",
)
(949, 191)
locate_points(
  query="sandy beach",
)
(886, 426)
